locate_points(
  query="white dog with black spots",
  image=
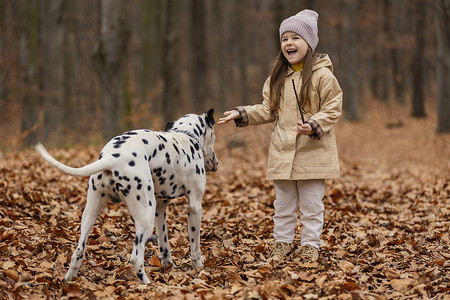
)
(146, 169)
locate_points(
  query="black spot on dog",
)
(176, 148)
(193, 228)
(131, 163)
(161, 147)
(116, 173)
(134, 154)
(145, 141)
(99, 176)
(118, 144)
(154, 153)
(131, 133)
(138, 198)
(139, 186)
(197, 169)
(115, 199)
(116, 155)
(168, 157)
(93, 185)
(150, 203)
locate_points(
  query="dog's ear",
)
(169, 126)
(210, 117)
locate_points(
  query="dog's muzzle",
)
(211, 165)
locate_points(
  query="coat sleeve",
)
(258, 113)
(330, 94)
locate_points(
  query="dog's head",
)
(201, 128)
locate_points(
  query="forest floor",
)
(386, 232)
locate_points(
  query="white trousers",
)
(292, 195)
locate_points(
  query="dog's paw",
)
(197, 264)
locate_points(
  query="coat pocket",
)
(317, 153)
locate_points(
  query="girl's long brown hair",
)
(278, 76)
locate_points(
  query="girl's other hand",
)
(229, 115)
(305, 129)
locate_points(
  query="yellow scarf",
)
(298, 66)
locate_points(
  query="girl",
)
(302, 150)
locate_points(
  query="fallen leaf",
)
(346, 266)
(402, 285)
(11, 273)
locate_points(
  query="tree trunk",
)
(169, 58)
(242, 56)
(29, 62)
(443, 66)
(198, 54)
(417, 62)
(52, 30)
(396, 50)
(109, 59)
(219, 54)
(350, 55)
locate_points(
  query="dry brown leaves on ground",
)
(386, 226)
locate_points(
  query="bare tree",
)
(169, 58)
(417, 62)
(443, 66)
(349, 54)
(109, 58)
(198, 54)
(395, 35)
(51, 35)
(29, 63)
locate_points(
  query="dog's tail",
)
(87, 170)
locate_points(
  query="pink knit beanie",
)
(304, 24)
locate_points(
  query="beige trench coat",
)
(300, 157)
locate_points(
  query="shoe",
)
(279, 251)
(309, 253)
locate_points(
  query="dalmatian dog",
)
(146, 169)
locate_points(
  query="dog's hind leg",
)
(94, 203)
(143, 213)
(161, 231)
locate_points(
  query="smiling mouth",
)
(289, 52)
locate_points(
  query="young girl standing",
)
(304, 100)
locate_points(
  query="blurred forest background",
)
(81, 71)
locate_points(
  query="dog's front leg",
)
(194, 224)
(94, 204)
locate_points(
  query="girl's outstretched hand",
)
(305, 129)
(228, 116)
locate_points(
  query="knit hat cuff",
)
(304, 24)
(302, 28)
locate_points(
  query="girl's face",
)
(293, 46)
